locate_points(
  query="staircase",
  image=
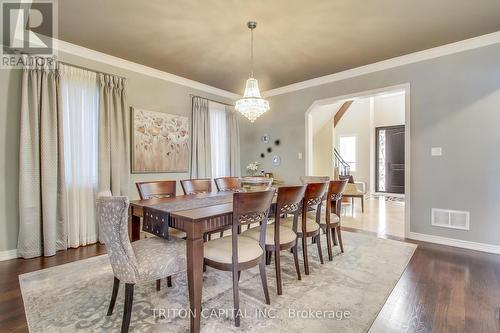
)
(339, 164)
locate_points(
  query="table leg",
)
(194, 250)
(135, 228)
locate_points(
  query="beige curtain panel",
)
(234, 141)
(201, 165)
(114, 138)
(42, 209)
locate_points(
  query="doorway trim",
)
(359, 95)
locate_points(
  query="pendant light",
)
(252, 106)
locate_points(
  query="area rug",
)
(343, 295)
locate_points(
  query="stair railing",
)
(340, 163)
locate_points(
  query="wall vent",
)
(447, 218)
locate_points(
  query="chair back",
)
(156, 189)
(314, 179)
(289, 201)
(112, 216)
(313, 198)
(250, 207)
(350, 178)
(196, 186)
(226, 184)
(335, 190)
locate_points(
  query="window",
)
(347, 148)
(219, 140)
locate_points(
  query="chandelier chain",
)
(251, 52)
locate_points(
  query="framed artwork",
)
(160, 142)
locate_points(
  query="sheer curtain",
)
(80, 107)
(219, 143)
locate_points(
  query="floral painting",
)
(160, 142)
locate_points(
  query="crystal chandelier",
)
(252, 105)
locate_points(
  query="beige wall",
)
(356, 121)
(142, 91)
(322, 150)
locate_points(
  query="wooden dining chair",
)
(160, 189)
(226, 184)
(145, 260)
(236, 253)
(289, 201)
(196, 186)
(156, 189)
(307, 227)
(329, 220)
(313, 179)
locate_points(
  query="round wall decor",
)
(276, 160)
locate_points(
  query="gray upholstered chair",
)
(145, 260)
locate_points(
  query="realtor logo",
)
(27, 28)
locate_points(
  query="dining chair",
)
(289, 201)
(329, 220)
(313, 179)
(156, 189)
(160, 189)
(236, 253)
(145, 260)
(196, 186)
(309, 228)
(226, 184)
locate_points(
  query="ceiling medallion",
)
(252, 105)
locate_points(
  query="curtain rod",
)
(90, 70)
(211, 100)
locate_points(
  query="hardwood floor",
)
(443, 289)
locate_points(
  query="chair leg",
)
(304, 253)
(127, 310)
(320, 251)
(296, 259)
(116, 286)
(339, 235)
(263, 277)
(236, 298)
(362, 204)
(221, 234)
(329, 244)
(277, 265)
(334, 237)
(158, 285)
(269, 256)
(169, 281)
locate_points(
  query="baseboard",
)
(7, 255)
(483, 247)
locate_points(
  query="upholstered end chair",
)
(145, 260)
(355, 190)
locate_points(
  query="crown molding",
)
(87, 53)
(460, 46)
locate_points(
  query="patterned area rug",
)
(344, 295)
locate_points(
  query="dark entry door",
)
(390, 163)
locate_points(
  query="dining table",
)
(196, 215)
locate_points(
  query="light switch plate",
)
(299, 156)
(436, 151)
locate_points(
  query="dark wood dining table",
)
(204, 213)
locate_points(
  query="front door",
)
(390, 159)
